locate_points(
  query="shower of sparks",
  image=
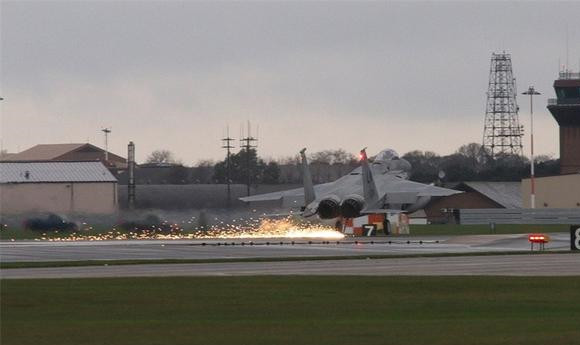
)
(242, 229)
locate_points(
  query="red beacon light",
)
(540, 239)
(362, 156)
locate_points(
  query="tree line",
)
(470, 162)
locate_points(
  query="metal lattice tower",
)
(502, 132)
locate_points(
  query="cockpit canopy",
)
(387, 155)
(388, 161)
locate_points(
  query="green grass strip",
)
(291, 310)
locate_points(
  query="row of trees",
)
(261, 171)
(471, 162)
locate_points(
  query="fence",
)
(520, 216)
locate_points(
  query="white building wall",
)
(80, 197)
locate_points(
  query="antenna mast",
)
(502, 132)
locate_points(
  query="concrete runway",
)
(20, 251)
(502, 265)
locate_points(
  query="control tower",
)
(566, 110)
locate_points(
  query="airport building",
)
(562, 191)
(566, 110)
(57, 187)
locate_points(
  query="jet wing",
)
(274, 195)
(437, 191)
(398, 187)
(320, 189)
(392, 186)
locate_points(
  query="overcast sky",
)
(172, 75)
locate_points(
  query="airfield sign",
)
(575, 237)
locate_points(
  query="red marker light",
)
(538, 238)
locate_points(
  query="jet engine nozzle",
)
(329, 207)
(351, 206)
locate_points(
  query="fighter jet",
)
(380, 186)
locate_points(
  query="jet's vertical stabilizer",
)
(309, 194)
(370, 193)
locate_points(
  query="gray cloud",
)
(172, 75)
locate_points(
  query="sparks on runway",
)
(260, 228)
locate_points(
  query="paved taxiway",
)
(20, 251)
(502, 265)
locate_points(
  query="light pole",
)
(531, 91)
(106, 131)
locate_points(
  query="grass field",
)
(292, 310)
(416, 230)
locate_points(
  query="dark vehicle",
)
(50, 223)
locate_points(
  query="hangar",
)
(59, 187)
(68, 152)
(475, 195)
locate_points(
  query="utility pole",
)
(106, 131)
(531, 92)
(131, 171)
(247, 144)
(227, 145)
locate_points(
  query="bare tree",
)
(289, 160)
(477, 155)
(321, 157)
(161, 156)
(339, 156)
(204, 163)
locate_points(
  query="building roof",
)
(5, 156)
(506, 194)
(48, 172)
(45, 152)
